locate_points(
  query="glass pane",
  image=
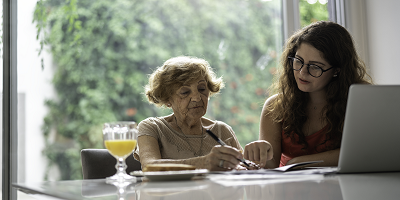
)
(34, 86)
(312, 11)
(97, 56)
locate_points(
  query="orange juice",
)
(120, 148)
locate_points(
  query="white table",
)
(369, 186)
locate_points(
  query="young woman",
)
(304, 120)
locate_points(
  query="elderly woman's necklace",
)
(196, 154)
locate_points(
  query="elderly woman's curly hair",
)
(176, 72)
(337, 47)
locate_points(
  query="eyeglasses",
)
(314, 70)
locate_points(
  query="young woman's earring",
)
(335, 75)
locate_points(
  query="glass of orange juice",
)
(120, 138)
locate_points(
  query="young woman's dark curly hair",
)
(337, 47)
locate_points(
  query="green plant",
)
(103, 51)
(310, 13)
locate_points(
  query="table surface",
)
(367, 186)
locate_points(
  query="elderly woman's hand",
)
(222, 158)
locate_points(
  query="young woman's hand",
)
(259, 151)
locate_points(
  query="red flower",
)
(234, 109)
(259, 91)
(249, 77)
(233, 85)
(131, 112)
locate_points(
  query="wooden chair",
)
(98, 164)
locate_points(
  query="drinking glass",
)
(120, 138)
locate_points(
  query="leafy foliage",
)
(104, 50)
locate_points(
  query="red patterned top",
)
(291, 150)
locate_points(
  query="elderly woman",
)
(185, 85)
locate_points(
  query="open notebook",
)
(371, 133)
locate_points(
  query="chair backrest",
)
(98, 163)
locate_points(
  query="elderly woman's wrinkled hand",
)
(222, 158)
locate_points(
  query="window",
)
(98, 55)
(96, 58)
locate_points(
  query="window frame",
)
(291, 17)
(9, 120)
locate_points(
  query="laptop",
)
(371, 133)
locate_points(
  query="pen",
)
(222, 143)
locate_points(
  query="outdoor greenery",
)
(310, 13)
(103, 51)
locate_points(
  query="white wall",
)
(383, 28)
(375, 26)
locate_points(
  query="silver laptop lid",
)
(371, 133)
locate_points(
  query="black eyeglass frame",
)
(308, 67)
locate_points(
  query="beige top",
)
(175, 145)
